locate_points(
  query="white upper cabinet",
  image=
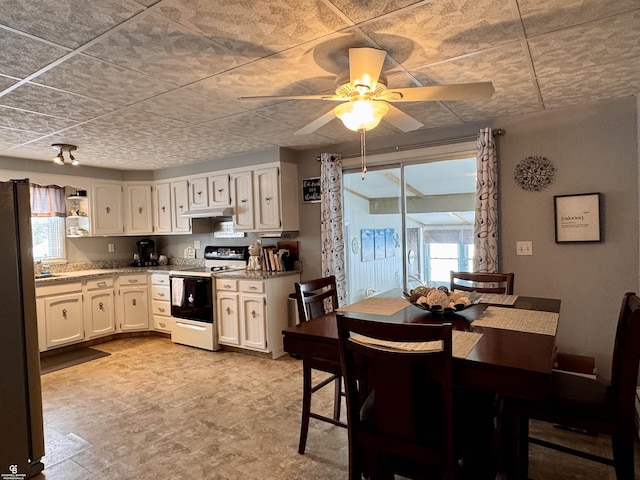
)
(265, 199)
(179, 205)
(138, 212)
(242, 198)
(162, 208)
(106, 202)
(198, 193)
(219, 190)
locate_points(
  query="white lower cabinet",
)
(251, 314)
(161, 303)
(60, 316)
(132, 302)
(99, 307)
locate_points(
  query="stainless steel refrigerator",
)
(21, 425)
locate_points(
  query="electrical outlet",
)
(196, 244)
(112, 247)
(524, 248)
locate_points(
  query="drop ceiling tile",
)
(361, 10)
(13, 60)
(134, 120)
(543, 16)
(48, 101)
(249, 122)
(262, 29)
(440, 30)
(23, 120)
(296, 113)
(610, 39)
(600, 82)
(6, 82)
(191, 107)
(165, 50)
(430, 114)
(12, 138)
(67, 22)
(89, 76)
(505, 66)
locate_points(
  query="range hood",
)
(209, 212)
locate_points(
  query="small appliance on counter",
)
(146, 256)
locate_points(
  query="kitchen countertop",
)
(84, 274)
(95, 273)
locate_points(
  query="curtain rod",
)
(498, 132)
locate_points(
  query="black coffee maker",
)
(146, 254)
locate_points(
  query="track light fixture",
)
(64, 147)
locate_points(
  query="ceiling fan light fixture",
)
(361, 114)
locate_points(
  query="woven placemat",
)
(463, 343)
(530, 321)
(376, 306)
(498, 299)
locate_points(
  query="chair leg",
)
(337, 398)
(623, 456)
(522, 456)
(306, 405)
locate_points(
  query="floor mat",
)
(59, 361)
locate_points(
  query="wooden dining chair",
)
(589, 404)
(315, 298)
(482, 282)
(399, 403)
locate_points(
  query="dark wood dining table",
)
(506, 362)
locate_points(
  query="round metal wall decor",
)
(534, 173)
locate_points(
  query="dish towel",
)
(177, 291)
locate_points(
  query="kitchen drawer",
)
(160, 279)
(99, 283)
(59, 289)
(251, 287)
(164, 324)
(132, 280)
(160, 307)
(160, 292)
(226, 284)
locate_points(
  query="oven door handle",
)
(193, 327)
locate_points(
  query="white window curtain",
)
(486, 222)
(47, 201)
(331, 232)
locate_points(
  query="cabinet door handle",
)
(139, 209)
(228, 310)
(199, 194)
(220, 190)
(133, 302)
(133, 280)
(101, 306)
(268, 200)
(161, 324)
(180, 207)
(64, 313)
(244, 200)
(253, 314)
(108, 209)
(160, 294)
(161, 309)
(102, 284)
(253, 287)
(163, 208)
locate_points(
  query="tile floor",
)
(157, 410)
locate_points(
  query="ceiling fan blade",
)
(401, 120)
(316, 124)
(460, 91)
(365, 65)
(330, 97)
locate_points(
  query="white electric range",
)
(192, 296)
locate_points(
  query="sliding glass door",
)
(408, 224)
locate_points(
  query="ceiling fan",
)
(365, 98)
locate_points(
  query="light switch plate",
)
(524, 248)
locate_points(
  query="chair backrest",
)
(626, 356)
(316, 297)
(483, 282)
(399, 403)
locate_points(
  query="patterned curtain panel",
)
(47, 201)
(331, 221)
(486, 224)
